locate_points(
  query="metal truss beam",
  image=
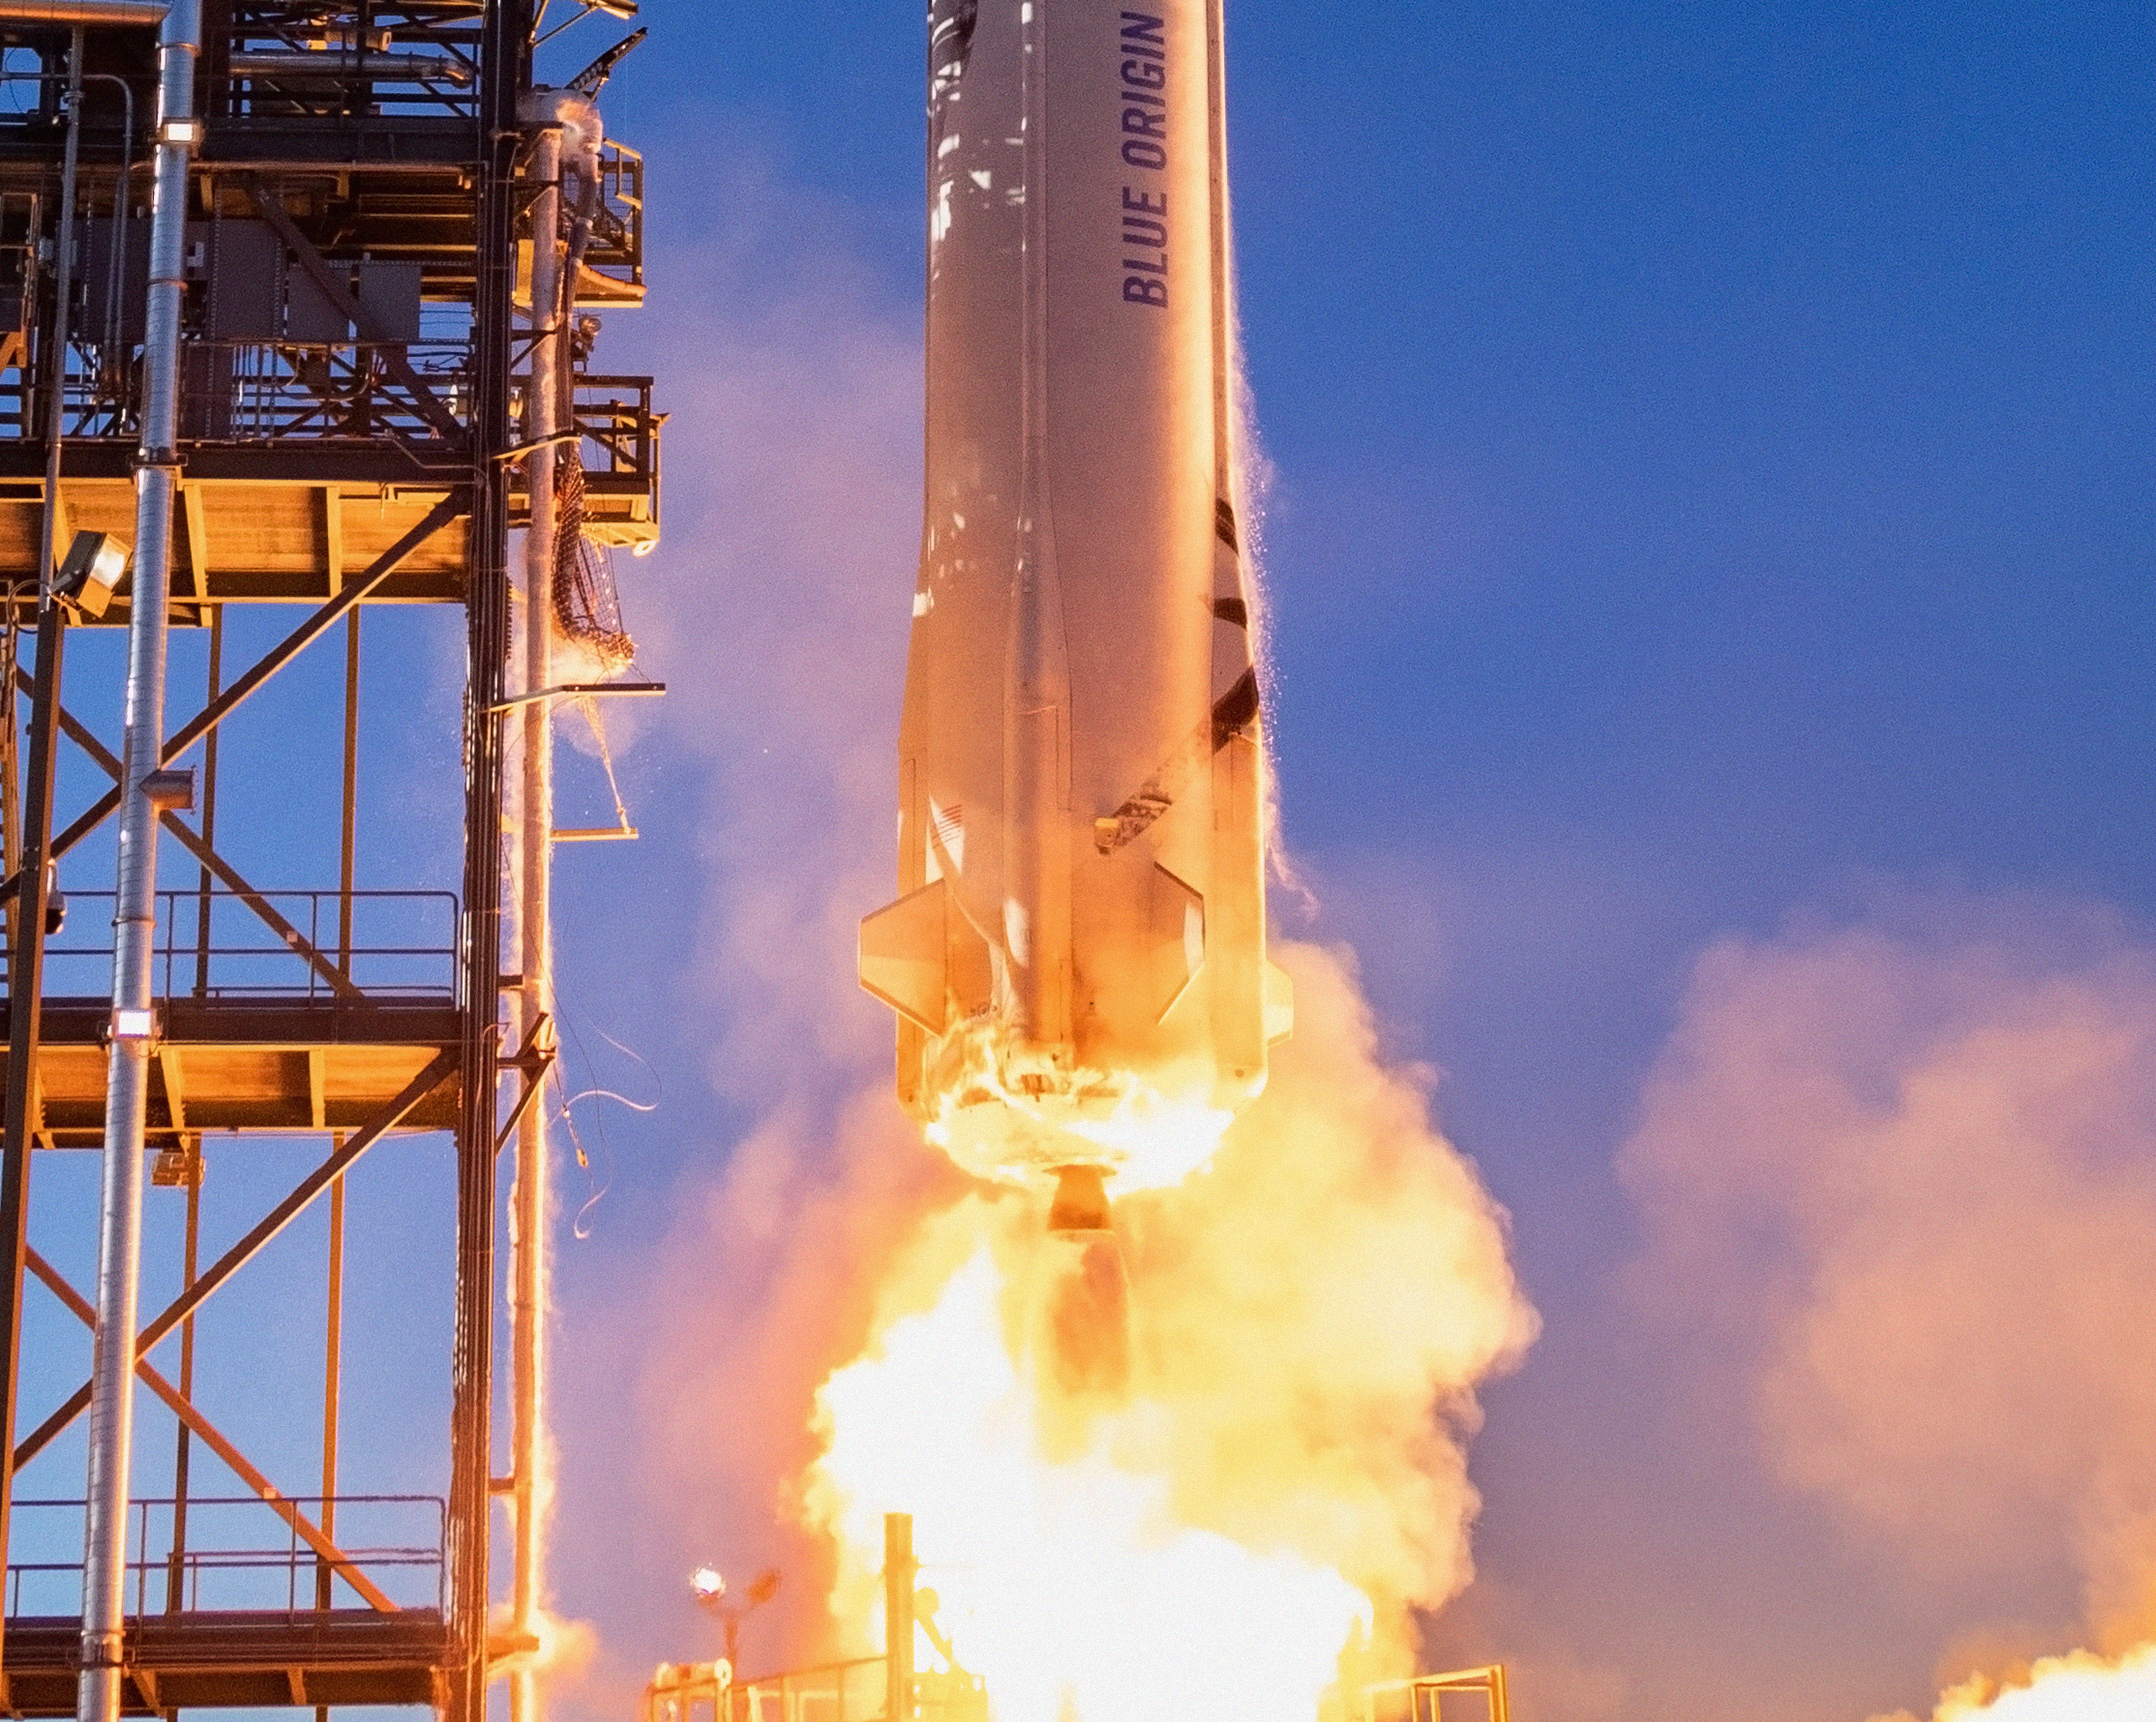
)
(240, 1253)
(217, 1442)
(276, 659)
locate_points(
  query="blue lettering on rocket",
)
(1144, 48)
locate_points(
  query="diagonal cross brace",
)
(241, 1253)
(219, 1443)
(450, 508)
(428, 404)
(294, 940)
(533, 1060)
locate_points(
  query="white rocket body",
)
(1077, 953)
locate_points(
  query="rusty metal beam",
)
(215, 1439)
(241, 1253)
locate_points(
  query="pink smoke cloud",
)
(1898, 1181)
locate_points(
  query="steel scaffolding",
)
(379, 377)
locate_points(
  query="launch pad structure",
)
(894, 1686)
(386, 235)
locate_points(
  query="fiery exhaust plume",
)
(2076, 1689)
(1278, 1474)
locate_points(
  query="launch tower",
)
(389, 245)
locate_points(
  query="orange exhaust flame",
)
(1048, 1574)
(1272, 1471)
(1002, 1120)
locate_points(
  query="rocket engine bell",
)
(1077, 952)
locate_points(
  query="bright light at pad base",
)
(1066, 1586)
(2080, 1687)
(1006, 1116)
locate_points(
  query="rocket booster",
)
(1077, 952)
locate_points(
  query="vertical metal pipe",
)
(333, 1370)
(534, 912)
(135, 911)
(504, 73)
(898, 1617)
(203, 918)
(175, 1577)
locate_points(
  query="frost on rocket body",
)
(1184, 1477)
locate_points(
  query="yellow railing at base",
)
(1425, 1695)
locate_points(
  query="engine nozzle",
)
(1081, 1202)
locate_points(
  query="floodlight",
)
(91, 569)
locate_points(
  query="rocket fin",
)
(1279, 1004)
(1178, 937)
(921, 956)
(905, 955)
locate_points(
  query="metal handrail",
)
(182, 1570)
(616, 250)
(345, 86)
(615, 415)
(824, 1692)
(814, 1694)
(1487, 1680)
(314, 916)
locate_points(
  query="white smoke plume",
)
(1336, 1278)
(719, 1285)
(1313, 1315)
(1900, 1179)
